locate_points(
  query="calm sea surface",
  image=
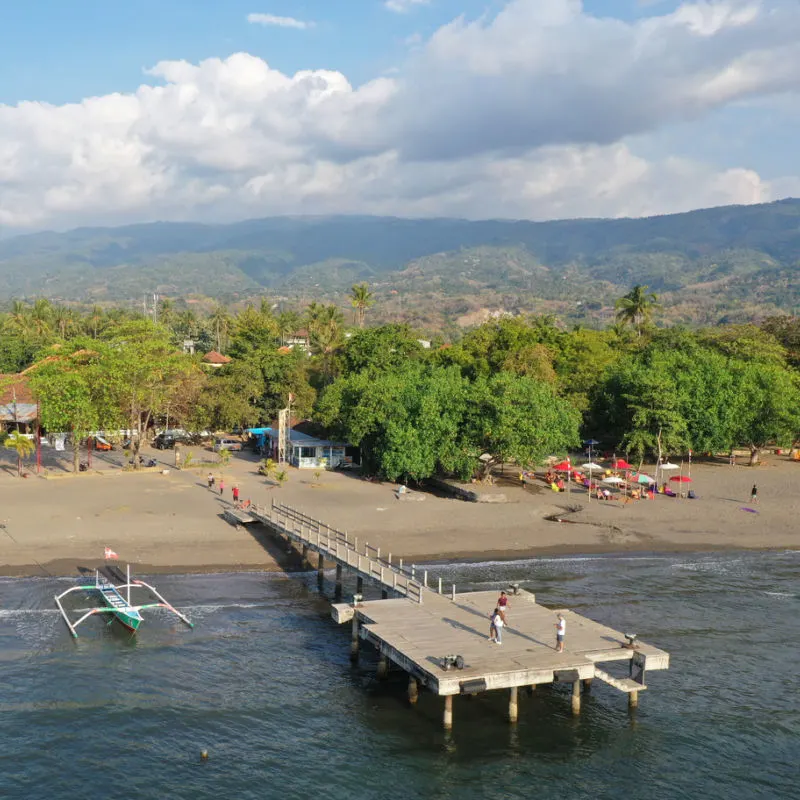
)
(265, 684)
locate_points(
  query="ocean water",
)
(264, 683)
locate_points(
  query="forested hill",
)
(732, 262)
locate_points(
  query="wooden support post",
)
(453, 593)
(633, 700)
(338, 594)
(413, 690)
(425, 578)
(413, 570)
(513, 704)
(587, 686)
(305, 555)
(354, 640)
(440, 585)
(576, 697)
(448, 712)
(359, 585)
(383, 667)
(401, 565)
(394, 580)
(320, 570)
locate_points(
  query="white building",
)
(308, 452)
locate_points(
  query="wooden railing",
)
(338, 546)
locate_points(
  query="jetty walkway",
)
(439, 636)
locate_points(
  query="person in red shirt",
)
(502, 605)
(235, 495)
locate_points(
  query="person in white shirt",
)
(561, 630)
(498, 625)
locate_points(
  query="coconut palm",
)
(65, 321)
(23, 446)
(94, 321)
(17, 319)
(221, 323)
(361, 299)
(288, 323)
(636, 308)
(41, 317)
(325, 334)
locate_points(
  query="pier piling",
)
(383, 667)
(320, 570)
(354, 640)
(513, 703)
(633, 700)
(448, 712)
(413, 690)
(576, 697)
(338, 592)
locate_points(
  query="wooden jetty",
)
(440, 638)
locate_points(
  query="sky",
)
(210, 110)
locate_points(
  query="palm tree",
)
(94, 320)
(64, 319)
(636, 307)
(325, 333)
(361, 299)
(221, 322)
(41, 316)
(22, 444)
(17, 319)
(288, 323)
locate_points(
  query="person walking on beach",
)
(221, 486)
(754, 494)
(561, 631)
(236, 495)
(502, 605)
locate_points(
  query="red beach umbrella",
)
(564, 466)
(681, 479)
(621, 463)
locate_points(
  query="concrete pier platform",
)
(417, 637)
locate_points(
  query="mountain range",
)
(729, 263)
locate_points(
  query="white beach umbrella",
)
(591, 467)
(613, 479)
(668, 465)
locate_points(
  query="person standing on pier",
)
(497, 627)
(561, 632)
(236, 495)
(221, 486)
(754, 494)
(502, 605)
(210, 481)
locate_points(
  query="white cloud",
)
(403, 6)
(535, 112)
(280, 22)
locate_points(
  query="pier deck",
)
(416, 626)
(417, 637)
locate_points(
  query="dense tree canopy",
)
(514, 389)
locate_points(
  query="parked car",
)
(226, 443)
(165, 441)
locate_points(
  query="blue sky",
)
(526, 108)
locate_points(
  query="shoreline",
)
(171, 523)
(67, 568)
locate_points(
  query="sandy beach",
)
(174, 523)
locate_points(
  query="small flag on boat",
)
(110, 553)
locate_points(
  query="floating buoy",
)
(204, 755)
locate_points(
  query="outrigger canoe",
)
(107, 588)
